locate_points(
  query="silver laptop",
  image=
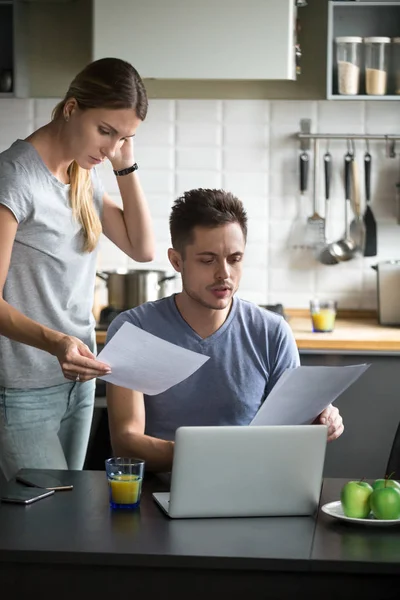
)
(243, 471)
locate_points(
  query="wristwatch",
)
(134, 167)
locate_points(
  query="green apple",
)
(381, 483)
(385, 503)
(355, 499)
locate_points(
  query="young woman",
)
(52, 212)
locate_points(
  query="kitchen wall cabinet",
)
(6, 48)
(44, 44)
(55, 40)
(367, 18)
(201, 39)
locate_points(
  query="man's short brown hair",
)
(204, 208)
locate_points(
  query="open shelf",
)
(364, 97)
(363, 19)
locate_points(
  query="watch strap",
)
(126, 171)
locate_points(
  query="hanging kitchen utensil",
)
(398, 202)
(298, 230)
(390, 147)
(345, 248)
(325, 256)
(370, 248)
(357, 227)
(327, 159)
(315, 235)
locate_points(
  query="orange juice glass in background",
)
(124, 476)
(323, 315)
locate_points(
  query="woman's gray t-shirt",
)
(50, 278)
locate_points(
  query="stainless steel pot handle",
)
(102, 275)
(167, 278)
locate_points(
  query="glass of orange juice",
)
(323, 315)
(124, 476)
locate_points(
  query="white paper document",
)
(301, 394)
(141, 361)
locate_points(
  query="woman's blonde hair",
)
(105, 83)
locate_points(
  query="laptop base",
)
(162, 499)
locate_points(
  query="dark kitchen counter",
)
(72, 541)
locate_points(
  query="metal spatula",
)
(370, 248)
(315, 235)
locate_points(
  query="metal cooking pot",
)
(127, 289)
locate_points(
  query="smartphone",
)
(41, 479)
(12, 492)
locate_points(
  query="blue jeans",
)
(45, 428)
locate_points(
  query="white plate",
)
(335, 510)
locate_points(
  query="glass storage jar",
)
(396, 64)
(348, 55)
(376, 65)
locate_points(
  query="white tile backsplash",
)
(256, 256)
(289, 112)
(15, 109)
(198, 159)
(43, 108)
(157, 157)
(198, 133)
(254, 284)
(258, 231)
(246, 111)
(369, 282)
(246, 135)
(243, 184)
(160, 205)
(186, 180)
(157, 181)
(337, 117)
(293, 281)
(110, 257)
(13, 129)
(153, 133)
(199, 111)
(249, 147)
(161, 111)
(245, 159)
(382, 117)
(340, 279)
(256, 207)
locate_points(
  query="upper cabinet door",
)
(199, 39)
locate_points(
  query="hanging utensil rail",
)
(347, 136)
(305, 136)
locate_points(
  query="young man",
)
(249, 347)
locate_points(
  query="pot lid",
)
(129, 271)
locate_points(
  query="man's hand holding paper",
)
(304, 395)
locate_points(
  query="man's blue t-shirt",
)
(247, 354)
